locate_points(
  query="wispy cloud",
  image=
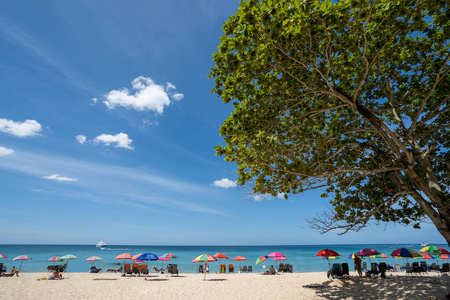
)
(147, 96)
(5, 151)
(121, 185)
(20, 129)
(262, 197)
(58, 177)
(225, 183)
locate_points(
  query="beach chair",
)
(397, 267)
(375, 269)
(135, 269)
(415, 268)
(230, 268)
(281, 268)
(143, 269)
(364, 267)
(383, 269)
(433, 267)
(345, 270)
(244, 269)
(2, 268)
(445, 268)
(127, 269)
(223, 268)
(200, 268)
(336, 270)
(250, 269)
(172, 269)
(424, 266)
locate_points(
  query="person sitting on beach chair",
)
(13, 272)
(94, 269)
(156, 270)
(115, 270)
(272, 270)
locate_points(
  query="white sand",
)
(223, 286)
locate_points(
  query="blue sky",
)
(108, 129)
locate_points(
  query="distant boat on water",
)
(424, 244)
(101, 245)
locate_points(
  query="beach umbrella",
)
(327, 253)
(147, 256)
(405, 253)
(278, 258)
(331, 257)
(3, 256)
(21, 258)
(428, 256)
(352, 256)
(276, 254)
(433, 250)
(124, 256)
(261, 259)
(220, 256)
(367, 252)
(134, 258)
(54, 259)
(93, 258)
(67, 257)
(378, 256)
(169, 255)
(239, 258)
(205, 258)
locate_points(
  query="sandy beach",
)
(223, 286)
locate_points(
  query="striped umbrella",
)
(3, 256)
(21, 258)
(261, 259)
(433, 250)
(94, 258)
(205, 258)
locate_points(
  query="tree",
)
(351, 97)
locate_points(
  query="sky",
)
(108, 129)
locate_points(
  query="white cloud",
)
(120, 140)
(148, 96)
(5, 151)
(262, 197)
(58, 177)
(94, 101)
(81, 139)
(177, 96)
(225, 183)
(20, 129)
(170, 86)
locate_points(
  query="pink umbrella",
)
(276, 254)
(3, 256)
(280, 258)
(54, 258)
(134, 258)
(367, 252)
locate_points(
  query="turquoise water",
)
(301, 257)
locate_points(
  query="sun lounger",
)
(173, 269)
(345, 270)
(397, 267)
(127, 269)
(364, 267)
(143, 269)
(424, 266)
(415, 269)
(135, 269)
(230, 268)
(445, 268)
(244, 269)
(200, 268)
(223, 269)
(250, 269)
(281, 268)
(336, 270)
(114, 270)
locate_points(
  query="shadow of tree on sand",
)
(395, 287)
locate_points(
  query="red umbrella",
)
(124, 256)
(327, 253)
(220, 256)
(367, 252)
(239, 258)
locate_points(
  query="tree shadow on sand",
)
(395, 287)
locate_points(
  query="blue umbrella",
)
(147, 256)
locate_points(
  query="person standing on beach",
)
(357, 262)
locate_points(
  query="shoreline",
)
(311, 285)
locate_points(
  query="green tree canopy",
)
(350, 96)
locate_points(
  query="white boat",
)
(424, 244)
(101, 245)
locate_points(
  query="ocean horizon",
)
(301, 257)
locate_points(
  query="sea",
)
(301, 257)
